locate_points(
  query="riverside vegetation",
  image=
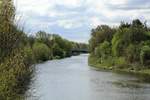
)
(19, 53)
(125, 48)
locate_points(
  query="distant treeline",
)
(51, 46)
(124, 47)
(19, 52)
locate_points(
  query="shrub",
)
(120, 41)
(145, 55)
(103, 49)
(120, 62)
(130, 52)
(41, 52)
(14, 76)
(109, 61)
(57, 51)
(29, 56)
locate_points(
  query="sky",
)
(74, 19)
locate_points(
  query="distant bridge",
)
(79, 51)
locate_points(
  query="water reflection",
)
(72, 79)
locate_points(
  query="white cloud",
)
(117, 2)
(43, 14)
(40, 7)
(69, 24)
(69, 3)
(95, 21)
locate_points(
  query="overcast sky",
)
(73, 19)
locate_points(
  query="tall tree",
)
(10, 35)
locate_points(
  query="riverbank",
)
(94, 63)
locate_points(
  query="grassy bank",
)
(132, 69)
(125, 48)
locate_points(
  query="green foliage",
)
(103, 49)
(126, 45)
(31, 40)
(120, 62)
(18, 53)
(124, 25)
(14, 66)
(41, 52)
(133, 53)
(10, 35)
(29, 56)
(120, 40)
(99, 35)
(60, 47)
(130, 52)
(138, 34)
(145, 55)
(57, 51)
(44, 37)
(14, 76)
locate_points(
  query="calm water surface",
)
(73, 79)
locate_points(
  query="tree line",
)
(123, 47)
(19, 52)
(47, 46)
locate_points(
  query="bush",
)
(14, 76)
(130, 52)
(120, 62)
(145, 55)
(130, 44)
(29, 56)
(103, 49)
(120, 41)
(15, 73)
(133, 53)
(57, 51)
(109, 61)
(41, 52)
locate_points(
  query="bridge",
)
(79, 51)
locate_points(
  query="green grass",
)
(132, 69)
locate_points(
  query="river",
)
(73, 79)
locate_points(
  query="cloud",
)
(67, 24)
(74, 19)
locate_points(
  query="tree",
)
(45, 38)
(138, 32)
(120, 41)
(99, 35)
(10, 35)
(132, 53)
(41, 52)
(145, 55)
(124, 25)
(127, 42)
(57, 51)
(15, 68)
(103, 50)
